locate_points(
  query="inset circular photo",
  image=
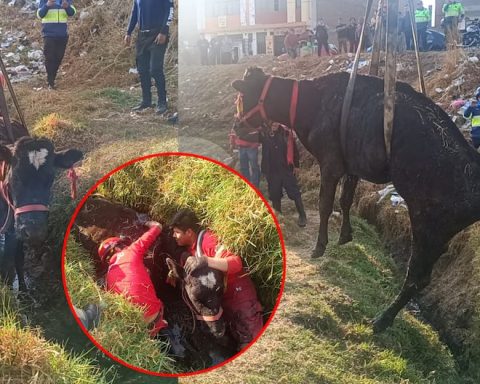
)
(173, 264)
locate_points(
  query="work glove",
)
(194, 263)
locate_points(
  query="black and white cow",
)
(27, 174)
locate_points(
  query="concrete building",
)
(255, 26)
(259, 26)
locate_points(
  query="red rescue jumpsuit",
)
(128, 276)
(241, 308)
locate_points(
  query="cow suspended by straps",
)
(430, 163)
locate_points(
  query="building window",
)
(223, 8)
(276, 5)
(298, 3)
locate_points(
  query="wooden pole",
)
(12, 93)
(390, 73)
(377, 40)
(421, 81)
(347, 101)
(5, 115)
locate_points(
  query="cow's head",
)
(31, 173)
(204, 288)
(250, 88)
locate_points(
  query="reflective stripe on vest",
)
(57, 15)
(476, 121)
(422, 15)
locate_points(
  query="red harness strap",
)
(31, 208)
(5, 195)
(260, 108)
(72, 176)
(211, 318)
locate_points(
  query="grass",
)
(120, 98)
(321, 333)
(224, 203)
(160, 186)
(28, 358)
(122, 330)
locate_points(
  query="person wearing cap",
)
(473, 113)
(128, 276)
(153, 18)
(241, 308)
(54, 15)
(422, 20)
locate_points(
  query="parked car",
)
(436, 40)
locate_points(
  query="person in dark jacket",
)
(153, 18)
(203, 45)
(342, 36)
(321, 34)
(352, 35)
(406, 28)
(280, 160)
(54, 15)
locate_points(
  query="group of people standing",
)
(219, 50)
(348, 35)
(153, 19)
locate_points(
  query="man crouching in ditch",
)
(241, 308)
(128, 276)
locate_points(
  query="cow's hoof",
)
(302, 221)
(345, 239)
(318, 252)
(380, 324)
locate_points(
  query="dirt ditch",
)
(451, 302)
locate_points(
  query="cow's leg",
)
(328, 186)
(346, 200)
(7, 260)
(19, 266)
(426, 251)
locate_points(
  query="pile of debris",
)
(22, 57)
(27, 6)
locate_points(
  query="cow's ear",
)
(175, 269)
(240, 86)
(5, 154)
(66, 159)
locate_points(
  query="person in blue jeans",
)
(153, 18)
(248, 145)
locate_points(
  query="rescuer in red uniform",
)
(242, 310)
(128, 276)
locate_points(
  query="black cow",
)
(431, 164)
(204, 289)
(29, 170)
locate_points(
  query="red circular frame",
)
(67, 235)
